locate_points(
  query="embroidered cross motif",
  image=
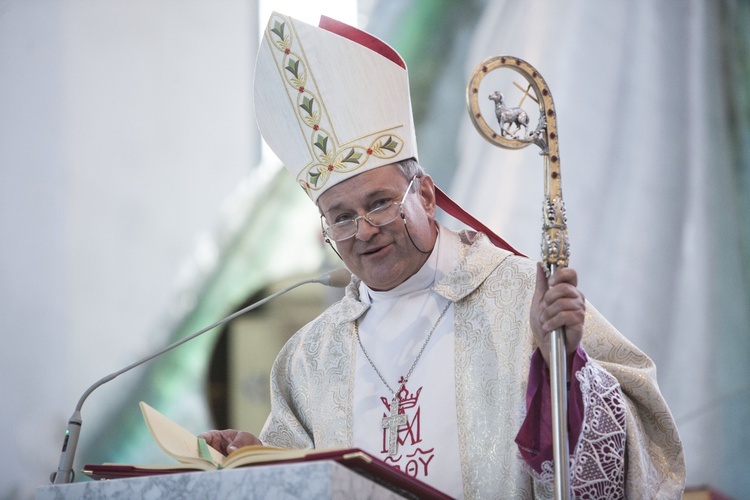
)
(392, 423)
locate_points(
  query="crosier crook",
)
(555, 244)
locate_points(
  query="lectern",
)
(324, 479)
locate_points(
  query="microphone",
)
(338, 278)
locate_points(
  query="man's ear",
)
(427, 194)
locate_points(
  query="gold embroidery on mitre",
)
(327, 156)
(346, 159)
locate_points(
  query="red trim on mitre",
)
(362, 38)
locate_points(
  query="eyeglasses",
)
(377, 217)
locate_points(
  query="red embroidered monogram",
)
(414, 458)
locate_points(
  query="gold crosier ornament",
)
(513, 132)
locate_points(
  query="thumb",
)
(242, 439)
(234, 445)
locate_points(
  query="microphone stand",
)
(338, 278)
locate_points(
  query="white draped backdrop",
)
(125, 123)
(654, 189)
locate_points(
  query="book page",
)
(259, 453)
(176, 441)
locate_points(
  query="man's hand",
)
(557, 303)
(229, 440)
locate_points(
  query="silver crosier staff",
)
(514, 133)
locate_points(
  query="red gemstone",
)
(301, 89)
(286, 51)
(554, 160)
(369, 151)
(330, 168)
(315, 127)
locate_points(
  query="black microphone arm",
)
(338, 278)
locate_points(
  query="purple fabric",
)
(534, 439)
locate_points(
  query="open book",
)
(194, 454)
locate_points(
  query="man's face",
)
(383, 257)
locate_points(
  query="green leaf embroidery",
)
(278, 29)
(307, 104)
(352, 157)
(314, 176)
(293, 67)
(322, 143)
(390, 145)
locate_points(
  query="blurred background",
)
(137, 203)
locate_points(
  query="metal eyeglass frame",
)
(327, 230)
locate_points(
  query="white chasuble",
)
(470, 391)
(394, 332)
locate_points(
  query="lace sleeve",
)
(597, 463)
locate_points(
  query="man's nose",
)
(365, 229)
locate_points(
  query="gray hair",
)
(411, 167)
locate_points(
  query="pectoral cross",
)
(392, 423)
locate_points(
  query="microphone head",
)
(338, 278)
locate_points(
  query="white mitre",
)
(331, 101)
